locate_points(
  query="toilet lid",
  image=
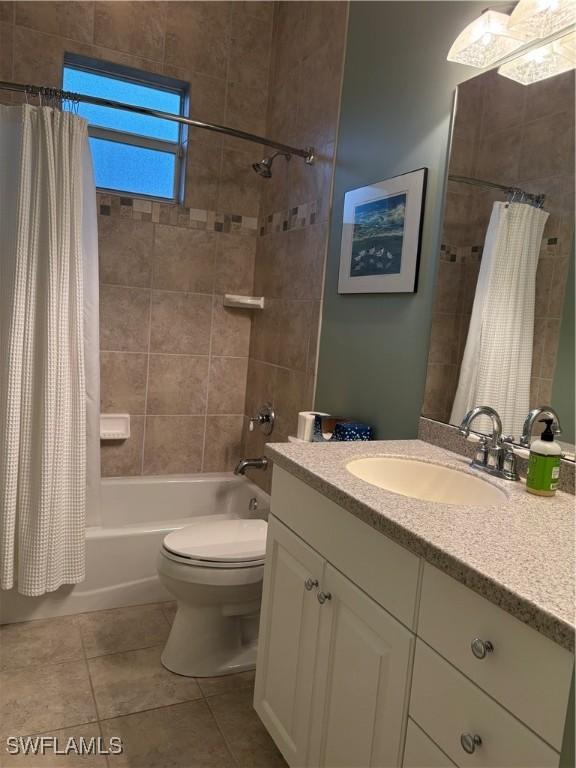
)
(220, 540)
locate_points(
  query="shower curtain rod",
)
(60, 95)
(536, 198)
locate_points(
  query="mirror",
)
(503, 320)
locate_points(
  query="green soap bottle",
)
(544, 463)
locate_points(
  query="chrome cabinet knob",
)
(309, 584)
(323, 596)
(469, 742)
(481, 647)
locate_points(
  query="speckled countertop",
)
(519, 556)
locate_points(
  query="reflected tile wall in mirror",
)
(513, 135)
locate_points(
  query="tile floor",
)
(99, 674)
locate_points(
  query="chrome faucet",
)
(495, 454)
(244, 464)
(543, 410)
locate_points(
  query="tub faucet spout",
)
(244, 464)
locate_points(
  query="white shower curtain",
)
(497, 362)
(46, 194)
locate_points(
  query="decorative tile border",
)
(551, 246)
(291, 218)
(460, 253)
(138, 209)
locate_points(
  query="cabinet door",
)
(361, 682)
(287, 644)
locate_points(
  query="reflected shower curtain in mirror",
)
(497, 362)
(47, 229)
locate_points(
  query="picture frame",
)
(381, 235)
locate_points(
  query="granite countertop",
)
(519, 556)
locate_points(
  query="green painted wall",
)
(563, 391)
(396, 105)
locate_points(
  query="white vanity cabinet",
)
(333, 669)
(369, 656)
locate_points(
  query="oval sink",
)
(421, 480)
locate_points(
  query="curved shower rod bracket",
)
(56, 95)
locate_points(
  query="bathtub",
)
(136, 514)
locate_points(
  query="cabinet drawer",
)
(387, 572)
(421, 752)
(447, 706)
(526, 672)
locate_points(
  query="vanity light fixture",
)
(486, 40)
(540, 18)
(535, 42)
(540, 63)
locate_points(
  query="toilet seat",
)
(234, 543)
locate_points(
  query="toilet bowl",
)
(214, 570)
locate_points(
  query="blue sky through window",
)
(133, 169)
(105, 87)
(131, 153)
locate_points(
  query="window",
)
(134, 154)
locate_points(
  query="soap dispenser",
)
(544, 463)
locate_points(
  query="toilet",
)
(214, 570)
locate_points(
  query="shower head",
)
(264, 167)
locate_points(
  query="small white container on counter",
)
(306, 425)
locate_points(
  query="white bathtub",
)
(121, 553)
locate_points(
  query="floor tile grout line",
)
(151, 709)
(79, 628)
(90, 681)
(159, 603)
(60, 728)
(71, 660)
(126, 650)
(166, 618)
(223, 735)
(240, 689)
(43, 665)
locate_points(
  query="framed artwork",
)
(381, 234)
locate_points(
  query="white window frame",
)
(151, 79)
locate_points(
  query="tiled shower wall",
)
(305, 81)
(510, 134)
(172, 356)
